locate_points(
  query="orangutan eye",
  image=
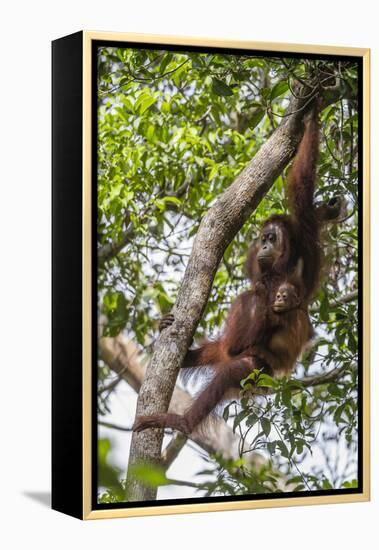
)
(272, 237)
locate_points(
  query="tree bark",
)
(217, 229)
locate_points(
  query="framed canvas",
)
(210, 275)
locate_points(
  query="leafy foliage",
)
(108, 476)
(174, 130)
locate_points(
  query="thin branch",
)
(324, 378)
(114, 426)
(171, 452)
(347, 298)
(350, 297)
(109, 250)
(111, 386)
(135, 78)
(306, 381)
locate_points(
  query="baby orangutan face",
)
(286, 298)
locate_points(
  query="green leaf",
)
(172, 200)
(215, 111)
(238, 419)
(338, 413)
(146, 104)
(324, 309)
(149, 475)
(335, 390)
(266, 426)
(326, 484)
(220, 88)
(127, 103)
(160, 204)
(213, 172)
(225, 414)
(266, 92)
(294, 384)
(251, 420)
(350, 484)
(299, 446)
(103, 448)
(271, 447)
(255, 118)
(165, 61)
(279, 89)
(108, 476)
(286, 396)
(165, 107)
(283, 449)
(266, 381)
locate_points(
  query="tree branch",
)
(109, 250)
(306, 381)
(347, 298)
(171, 452)
(113, 426)
(124, 358)
(324, 378)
